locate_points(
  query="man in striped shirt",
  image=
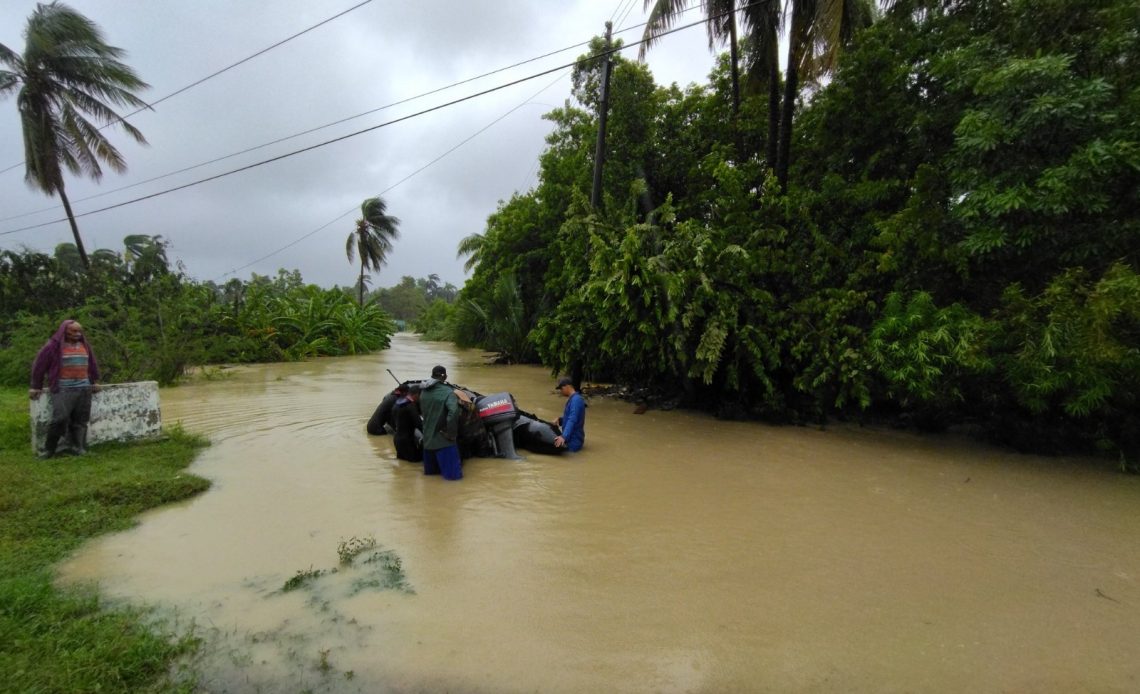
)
(68, 364)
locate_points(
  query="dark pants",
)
(70, 409)
(71, 406)
(443, 461)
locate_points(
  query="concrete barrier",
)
(119, 412)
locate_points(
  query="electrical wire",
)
(287, 155)
(219, 72)
(625, 16)
(306, 132)
(394, 185)
(317, 128)
(611, 51)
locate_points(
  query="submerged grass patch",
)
(380, 570)
(64, 640)
(303, 578)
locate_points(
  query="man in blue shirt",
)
(573, 419)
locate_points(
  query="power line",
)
(317, 128)
(394, 185)
(219, 72)
(629, 9)
(617, 10)
(612, 51)
(306, 132)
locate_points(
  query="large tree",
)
(372, 239)
(66, 75)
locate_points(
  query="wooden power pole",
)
(603, 110)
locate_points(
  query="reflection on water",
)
(675, 553)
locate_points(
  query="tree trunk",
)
(735, 62)
(773, 109)
(791, 85)
(74, 228)
(360, 282)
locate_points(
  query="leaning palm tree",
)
(372, 239)
(472, 247)
(67, 74)
(145, 255)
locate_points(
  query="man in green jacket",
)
(440, 409)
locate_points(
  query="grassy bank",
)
(63, 640)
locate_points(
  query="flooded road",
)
(675, 553)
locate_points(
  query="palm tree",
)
(372, 239)
(145, 255)
(721, 25)
(67, 73)
(818, 32)
(67, 255)
(472, 247)
(761, 24)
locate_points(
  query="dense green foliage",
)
(435, 322)
(63, 640)
(958, 242)
(147, 321)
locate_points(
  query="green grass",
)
(62, 639)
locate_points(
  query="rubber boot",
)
(79, 440)
(54, 432)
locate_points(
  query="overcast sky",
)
(380, 53)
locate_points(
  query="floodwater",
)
(675, 553)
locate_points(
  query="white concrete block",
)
(119, 412)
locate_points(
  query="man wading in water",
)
(440, 409)
(573, 419)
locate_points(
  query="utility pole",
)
(603, 110)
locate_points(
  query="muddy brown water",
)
(676, 553)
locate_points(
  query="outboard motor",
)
(498, 414)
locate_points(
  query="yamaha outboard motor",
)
(498, 414)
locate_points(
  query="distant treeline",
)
(148, 321)
(958, 243)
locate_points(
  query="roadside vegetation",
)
(150, 321)
(63, 639)
(950, 237)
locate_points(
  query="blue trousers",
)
(443, 461)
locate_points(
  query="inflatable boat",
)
(490, 426)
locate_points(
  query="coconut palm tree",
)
(67, 255)
(760, 21)
(818, 31)
(472, 247)
(372, 239)
(66, 75)
(145, 255)
(721, 26)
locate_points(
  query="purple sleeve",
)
(40, 366)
